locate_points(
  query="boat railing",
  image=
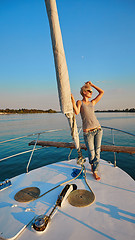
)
(36, 142)
(27, 151)
(112, 129)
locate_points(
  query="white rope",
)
(68, 181)
(85, 178)
(61, 183)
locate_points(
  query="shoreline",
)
(25, 111)
(1, 113)
(35, 111)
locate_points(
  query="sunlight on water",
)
(12, 126)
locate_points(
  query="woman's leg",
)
(97, 147)
(93, 144)
(89, 142)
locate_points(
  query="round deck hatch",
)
(27, 194)
(81, 198)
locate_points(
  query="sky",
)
(99, 43)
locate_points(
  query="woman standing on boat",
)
(92, 131)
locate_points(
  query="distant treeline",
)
(23, 110)
(124, 110)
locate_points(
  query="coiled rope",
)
(86, 180)
(60, 184)
(82, 168)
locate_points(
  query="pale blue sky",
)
(99, 42)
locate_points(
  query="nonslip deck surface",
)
(111, 216)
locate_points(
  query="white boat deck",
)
(111, 216)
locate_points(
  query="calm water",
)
(12, 126)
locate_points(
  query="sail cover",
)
(61, 68)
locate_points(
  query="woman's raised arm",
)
(100, 91)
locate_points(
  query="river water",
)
(17, 125)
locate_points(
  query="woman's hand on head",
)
(89, 82)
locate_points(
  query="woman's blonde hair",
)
(85, 87)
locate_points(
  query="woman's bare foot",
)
(96, 176)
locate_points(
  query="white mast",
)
(61, 69)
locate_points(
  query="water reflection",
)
(12, 126)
